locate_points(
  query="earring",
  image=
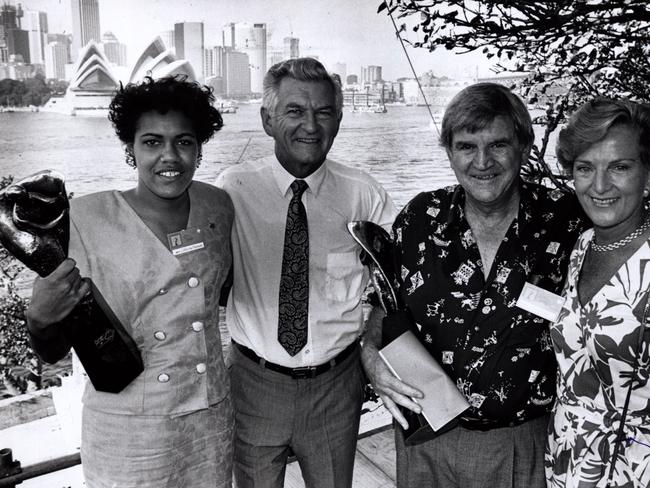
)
(199, 157)
(130, 159)
(646, 192)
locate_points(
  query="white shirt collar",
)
(284, 179)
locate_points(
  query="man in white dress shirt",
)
(294, 312)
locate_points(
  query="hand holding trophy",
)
(402, 352)
(34, 228)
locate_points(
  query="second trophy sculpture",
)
(402, 351)
(34, 228)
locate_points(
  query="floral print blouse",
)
(597, 345)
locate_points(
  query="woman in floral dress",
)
(600, 341)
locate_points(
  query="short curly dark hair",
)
(162, 95)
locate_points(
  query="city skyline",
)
(327, 29)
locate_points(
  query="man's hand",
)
(390, 389)
(54, 297)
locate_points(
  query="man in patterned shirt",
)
(463, 255)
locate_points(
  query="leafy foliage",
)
(20, 367)
(572, 50)
(32, 91)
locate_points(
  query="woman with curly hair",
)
(159, 253)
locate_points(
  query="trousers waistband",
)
(302, 372)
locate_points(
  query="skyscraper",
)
(168, 38)
(237, 73)
(13, 40)
(188, 41)
(371, 74)
(114, 50)
(291, 47)
(251, 39)
(56, 57)
(85, 24)
(274, 57)
(35, 23)
(213, 61)
(340, 69)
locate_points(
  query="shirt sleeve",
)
(383, 210)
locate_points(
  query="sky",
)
(348, 31)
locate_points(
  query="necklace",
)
(622, 242)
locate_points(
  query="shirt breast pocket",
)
(344, 277)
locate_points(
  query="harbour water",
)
(400, 149)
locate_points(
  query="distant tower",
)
(168, 38)
(115, 51)
(56, 57)
(251, 39)
(85, 24)
(35, 23)
(291, 47)
(188, 42)
(371, 74)
(13, 40)
(237, 73)
(213, 62)
(341, 70)
(274, 57)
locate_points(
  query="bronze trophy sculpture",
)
(34, 228)
(378, 248)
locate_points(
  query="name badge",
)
(542, 303)
(185, 241)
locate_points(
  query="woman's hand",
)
(54, 297)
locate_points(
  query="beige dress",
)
(173, 425)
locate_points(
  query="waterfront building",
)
(157, 61)
(85, 24)
(274, 57)
(371, 74)
(188, 42)
(91, 87)
(351, 80)
(167, 37)
(291, 47)
(56, 57)
(35, 23)
(115, 50)
(16, 69)
(341, 70)
(237, 74)
(13, 39)
(213, 62)
(251, 39)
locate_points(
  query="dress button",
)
(197, 326)
(160, 335)
(200, 368)
(163, 378)
(193, 282)
(162, 291)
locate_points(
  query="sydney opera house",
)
(93, 82)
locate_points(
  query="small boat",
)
(226, 106)
(375, 108)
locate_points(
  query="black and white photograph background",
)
(399, 62)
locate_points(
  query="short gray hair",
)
(302, 69)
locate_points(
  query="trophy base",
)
(108, 354)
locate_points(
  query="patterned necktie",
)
(294, 281)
